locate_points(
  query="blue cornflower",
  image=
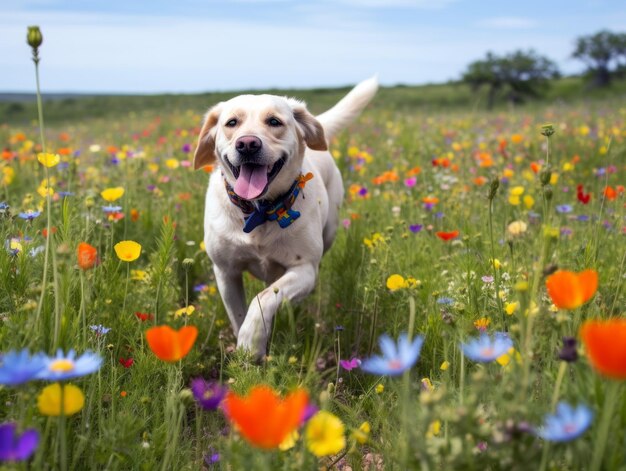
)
(66, 193)
(100, 329)
(564, 208)
(445, 300)
(582, 218)
(29, 215)
(567, 424)
(19, 367)
(15, 446)
(63, 367)
(4, 206)
(111, 209)
(485, 348)
(396, 359)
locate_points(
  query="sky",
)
(189, 46)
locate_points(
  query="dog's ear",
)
(205, 151)
(310, 127)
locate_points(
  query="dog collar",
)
(278, 210)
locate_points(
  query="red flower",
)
(605, 343)
(126, 362)
(446, 236)
(87, 256)
(143, 316)
(584, 198)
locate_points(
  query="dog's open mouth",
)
(252, 179)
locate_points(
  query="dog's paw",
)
(253, 339)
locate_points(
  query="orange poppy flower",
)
(570, 290)
(610, 193)
(87, 256)
(605, 342)
(263, 418)
(535, 167)
(171, 345)
(446, 236)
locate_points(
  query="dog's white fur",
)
(287, 260)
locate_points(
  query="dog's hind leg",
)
(230, 286)
(295, 284)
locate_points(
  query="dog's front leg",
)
(295, 284)
(230, 286)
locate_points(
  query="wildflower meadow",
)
(470, 314)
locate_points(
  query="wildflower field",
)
(469, 315)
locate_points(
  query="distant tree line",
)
(523, 74)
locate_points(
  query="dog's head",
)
(259, 142)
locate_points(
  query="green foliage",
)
(473, 417)
(516, 75)
(604, 53)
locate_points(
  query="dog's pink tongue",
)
(251, 182)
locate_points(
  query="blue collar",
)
(279, 210)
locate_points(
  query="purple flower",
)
(487, 279)
(349, 365)
(15, 447)
(211, 458)
(563, 208)
(186, 148)
(415, 228)
(309, 411)
(111, 209)
(208, 394)
(363, 191)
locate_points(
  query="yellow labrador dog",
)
(273, 201)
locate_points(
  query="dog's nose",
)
(248, 145)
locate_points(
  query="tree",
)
(518, 75)
(603, 53)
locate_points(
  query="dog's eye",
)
(232, 123)
(274, 122)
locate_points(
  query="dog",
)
(272, 205)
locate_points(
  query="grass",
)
(465, 416)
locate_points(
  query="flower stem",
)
(126, 287)
(610, 400)
(62, 437)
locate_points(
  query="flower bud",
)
(493, 189)
(547, 129)
(547, 192)
(545, 175)
(34, 37)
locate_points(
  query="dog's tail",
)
(348, 108)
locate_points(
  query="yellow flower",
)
(362, 434)
(396, 282)
(49, 400)
(445, 365)
(138, 275)
(433, 429)
(482, 324)
(48, 160)
(325, 434)
(8, 174)
(516, 191)
(529, 201)
(112, 194)
(128, 250)
(172, 163)
(505, 359)
(290, 441)
(496, 263)
(380, 388)
(514, 200)
(516, 228)
(510, 308)
(187, 311)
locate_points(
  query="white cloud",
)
(508, 22)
